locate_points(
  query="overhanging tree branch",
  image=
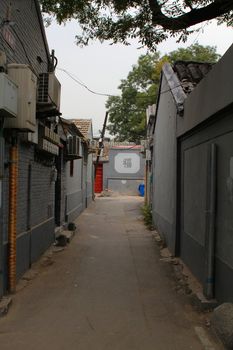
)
(194, 16)
(149, 21)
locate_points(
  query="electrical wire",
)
(81, 83)
(77, 80)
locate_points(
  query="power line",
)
(200, 30)
(77, 80)
(81, 83)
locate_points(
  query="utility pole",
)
(101, 142)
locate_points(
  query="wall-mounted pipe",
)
(210, 225)
(2, 145)
(13, 179)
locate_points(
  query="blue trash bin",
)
(141, 190)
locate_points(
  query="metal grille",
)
(43, 88)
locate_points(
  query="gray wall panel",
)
(42, 237)
(193, 254)
(195, 173)
(194, 196)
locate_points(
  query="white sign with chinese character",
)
(127, 163)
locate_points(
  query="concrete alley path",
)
(108, 290)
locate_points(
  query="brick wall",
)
(36, 191)
(26, 34)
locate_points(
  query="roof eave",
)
(175, 87)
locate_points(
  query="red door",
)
(99, 179)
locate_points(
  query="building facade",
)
(124, 171)
(30, 144)
(192, 200)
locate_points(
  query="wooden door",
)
(99, 179)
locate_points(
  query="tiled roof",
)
(83, 125)
(70, 127)
(191, 73)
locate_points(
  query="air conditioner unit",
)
(8, 96)
(151, 111)
(49, 89)
(73, 146)
(94, 143)
(148, 154)
(26, 80)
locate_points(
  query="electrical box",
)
(8, 97)
(26, 80)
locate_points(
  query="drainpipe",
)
(146, 183)
(210, 226)
(101, 143)
(13, 178)
(29, 229)
(2, 144)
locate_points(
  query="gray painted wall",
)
(79, 187)
(164, 163)
(74, 193)
(125, 182)
(194, 195)
(90, 174)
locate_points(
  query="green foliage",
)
(127, 118)
(147, 216)
(196, 52)
(150, 21)
(127, 112)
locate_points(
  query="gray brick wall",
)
(27, 35)
(63, 192)
(41, 191)
(28, 45)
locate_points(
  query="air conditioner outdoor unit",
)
(26, 81)
(49, 89)
(8, 96)
(73, 146)
(151, 111)
(94, 143)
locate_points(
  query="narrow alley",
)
(107, 290)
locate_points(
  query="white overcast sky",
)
(102, 66)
